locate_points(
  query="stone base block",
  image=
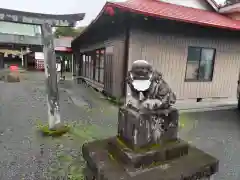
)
(138, 128)
(12, 78)
(102, 165)
(146, 156)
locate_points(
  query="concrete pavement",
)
(218, 133)
(206, 105)
(76, 91)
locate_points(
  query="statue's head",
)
(141, 75)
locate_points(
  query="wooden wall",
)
(115, 58)
(167, 51)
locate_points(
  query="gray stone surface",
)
(139, 128)
(148, 155)
(193, 166)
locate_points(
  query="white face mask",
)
(141, 85)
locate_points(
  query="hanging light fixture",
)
(109, 10)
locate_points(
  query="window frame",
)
(101, 68)
(98, 64)
(199, 62)
(95, 66)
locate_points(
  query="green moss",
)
(143, 149)
(151, 147)
(72, 165)
(111, 156)
(44, 129)
(186, 122)
(155, 164)
(121, 143)
(115, 101)
(89, 132)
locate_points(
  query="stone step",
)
(149, 155)
(196, 165)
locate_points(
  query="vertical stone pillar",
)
(22, 58)
(74, 64)
(51, 77)
(26, 61)
(1, 60)
(78, 64)
(71, 64)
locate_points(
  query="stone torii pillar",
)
(51, 77)
(47, 21)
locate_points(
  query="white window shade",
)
(39, 55)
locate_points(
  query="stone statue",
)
(147, 145)
(151, 101)
(148, 87)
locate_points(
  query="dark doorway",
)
(12, 60)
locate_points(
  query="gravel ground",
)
(23, 153)
(26, 155)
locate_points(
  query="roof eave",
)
(75, 17)
(123, 7)
(91, 24)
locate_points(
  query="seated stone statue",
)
(143, 81)
(151, 119)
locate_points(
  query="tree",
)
(80, 29)
(68, 31)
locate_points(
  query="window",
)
(101, 66)
(93, 65)
(20, 28)
(200, 64)
(97, 66)
(87, 66)
(84, 65)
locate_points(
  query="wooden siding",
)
(116, 66)
(168, 54)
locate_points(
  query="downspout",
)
(214, 5)
(126, 54)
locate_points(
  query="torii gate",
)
(47, 21)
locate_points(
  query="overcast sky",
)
(90, 7)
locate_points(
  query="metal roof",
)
(158, 9)
(169, 11)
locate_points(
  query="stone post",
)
(22, 58)
(51, 77)
(74, 64)
(1, 60)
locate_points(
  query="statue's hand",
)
(151, 104)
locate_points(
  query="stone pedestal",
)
(134, 154)
(136, 128)
(175, 162)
